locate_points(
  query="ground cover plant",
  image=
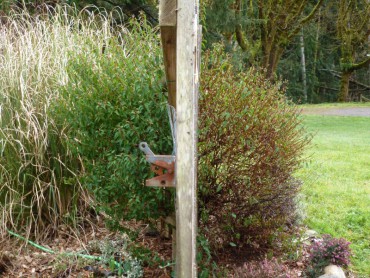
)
(327, 251)
(336, 182)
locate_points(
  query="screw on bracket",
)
(162, 165)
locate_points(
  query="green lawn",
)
(337, 182)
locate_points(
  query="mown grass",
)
(337, 182)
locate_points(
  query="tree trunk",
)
(303, 64)
(269, 65)
(344, 86)
(317, 43)
(271, 61)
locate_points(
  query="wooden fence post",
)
(180, 35)
(187, 72)
(167, 24)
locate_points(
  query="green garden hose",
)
(48, 250)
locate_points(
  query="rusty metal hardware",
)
(162, 165)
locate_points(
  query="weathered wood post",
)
(187, 72)
(167, 23)
(180, 35)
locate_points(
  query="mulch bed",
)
(18, 260)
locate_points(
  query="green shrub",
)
(250, 143)
(113, 101)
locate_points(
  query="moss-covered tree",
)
(353, 30)
(262, 28)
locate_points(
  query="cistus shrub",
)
(250, 143)
(112, 102)
(328, 251)
(264, 269)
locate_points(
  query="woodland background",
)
(320, 47)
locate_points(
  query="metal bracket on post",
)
(162, 165)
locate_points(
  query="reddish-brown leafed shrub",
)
(250, 142)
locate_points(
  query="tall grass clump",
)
(39, 184)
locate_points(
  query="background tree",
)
(321, 49)
(262, 28)
(353, 27)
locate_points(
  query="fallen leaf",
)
(299, 264)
